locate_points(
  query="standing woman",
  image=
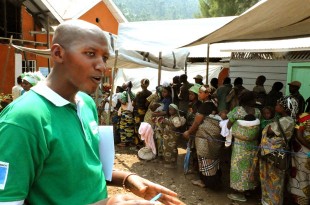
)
(272, 178)
(299, 181)
(127, 123)
(140, 105)
(243, 150)
(208, 160)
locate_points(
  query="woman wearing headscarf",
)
(170, 136)
(206, 130)
(150, 101)
(127, 123)
(243, 150)
(31, 79)
(299, 181)
(272, 178)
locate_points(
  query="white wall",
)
(18, 66)
(249, 70)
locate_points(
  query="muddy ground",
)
(127, 159)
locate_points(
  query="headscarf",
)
(33, 77)
(195, 88)
(174, 106)
(124, 96)
(177, 121)
(289, 104)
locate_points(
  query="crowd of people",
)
(49, 137)
(43, 146)
(256, 124)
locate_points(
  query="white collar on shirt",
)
(42, 89)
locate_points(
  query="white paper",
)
(106, 150)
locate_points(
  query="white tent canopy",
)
(268, 19)
(155, 36)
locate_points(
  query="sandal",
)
(237, 197)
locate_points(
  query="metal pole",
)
(159, 68)
(114, 72)
(207, 72)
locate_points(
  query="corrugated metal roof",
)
(298, 44)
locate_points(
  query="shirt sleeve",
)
(206, 108)
(20, 150)
(233, 115)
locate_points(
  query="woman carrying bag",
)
(275, 140)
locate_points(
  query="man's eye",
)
(91, 54)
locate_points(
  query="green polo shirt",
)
(50, 150)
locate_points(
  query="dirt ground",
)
(127, 159)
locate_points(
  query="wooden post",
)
(114, 72)
(207, 60)
(26, 60)
(159, 68)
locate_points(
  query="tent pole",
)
(159, 68)
(5, 65)
(207, 60)
(114, 72)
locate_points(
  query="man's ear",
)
(57, 53)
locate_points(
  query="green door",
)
(300, 72)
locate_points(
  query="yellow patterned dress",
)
(272, 178)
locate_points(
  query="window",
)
(32, 64)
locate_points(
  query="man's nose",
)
(101, 65)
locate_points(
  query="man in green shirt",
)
(49, 138)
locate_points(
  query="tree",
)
(218, 8)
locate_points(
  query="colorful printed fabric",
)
(272, 179)
(299, 182)
(139, 117)
(272, 183)
(270, 144)
(208, 167)
(170, 137)
(170, 150)
(242, 159)
(243, 154)
(154, 98)
(126, 126)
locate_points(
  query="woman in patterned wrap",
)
(208, 160)
(127, 123)
(243, 150)
(272, 178)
